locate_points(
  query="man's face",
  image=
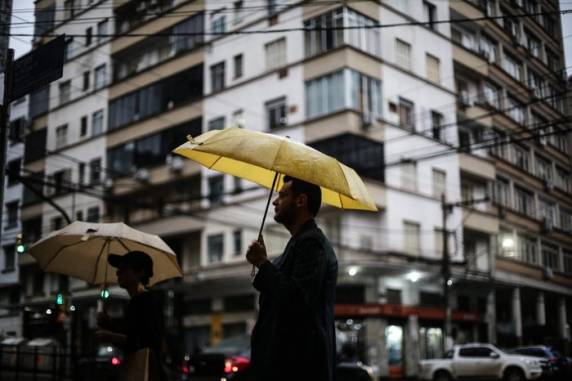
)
(126, 276)
(285, 208)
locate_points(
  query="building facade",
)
(462, 119)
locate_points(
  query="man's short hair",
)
(312, 192)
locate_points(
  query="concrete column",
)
(517, 314)
(491, 317)
(540, 309)
(412, 346)
(375, 344)
(562, 323)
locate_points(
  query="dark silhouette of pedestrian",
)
(294, 336)
(144, 321)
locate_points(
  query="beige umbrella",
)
(81, 249)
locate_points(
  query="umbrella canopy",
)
(81, 249)
(258, 157)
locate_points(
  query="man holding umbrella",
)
(294, 336)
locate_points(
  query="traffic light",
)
(104, 293)
(60, 299)
(21, 247)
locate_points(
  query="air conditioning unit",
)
(547, 273)
(546, 225)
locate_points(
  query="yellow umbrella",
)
(265, 159)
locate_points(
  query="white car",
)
(480, 361)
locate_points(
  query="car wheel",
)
(514, 374)
(442, 375)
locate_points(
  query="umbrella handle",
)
(253, 272)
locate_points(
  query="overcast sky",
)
(24, 10)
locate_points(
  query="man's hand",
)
(256, 253)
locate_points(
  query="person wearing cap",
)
(144, 323)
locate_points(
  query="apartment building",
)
(393, 103)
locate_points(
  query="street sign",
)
(38, 68)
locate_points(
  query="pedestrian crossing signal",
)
(104, 293)
(59, 299)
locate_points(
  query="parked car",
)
(480, 361)
(552, 362)
(229, 359)
(103, 365)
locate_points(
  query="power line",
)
(287, 30)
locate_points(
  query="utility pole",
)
(446, 209)
(4, 118)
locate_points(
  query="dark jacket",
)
(294, 336)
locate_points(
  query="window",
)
(566, 220)
(523, 201)
(65, 92)
(543, 168)
(562, 179)
(275, 53)
(482, 352)
(321, 35)
(13, 172)
(436, 123)
(516, 110)
(547, 212)
(411, 237)
(61, 180)
(403, 54)
(81, 174)
(491, 94)
(429, 13)
(9, 258)
(11, 214)
(536, 83)
(215, 247)
(512, 67)
(102, 31)
(488, 48)
(409, 176)
(272, 7)
(502, 192)
(69, 9)
(79, 215)
(406, 114)
(393, 296)
(510, 25)
(506, 244)
(238, 119)
(500, 148)
(238, 5)
(86, 76)
(550, 256)
(439, 182)
(464, 37)
(83, 126)
(68, 50)
(237, 241)
(567, 260)
(16, 130)
(433, 68)
(156, 98)
(216, 189)
(95, 171)
(238, 66)
(217, 77)
(97, 123)
(88, 36)
(528, 249)
(276, 113)
(61, 136)
(56, 223)
(216, 124)
(326, 94)
(533, 45)
(218, 25)
(93, 214)
(100, 76)
(521, 157)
